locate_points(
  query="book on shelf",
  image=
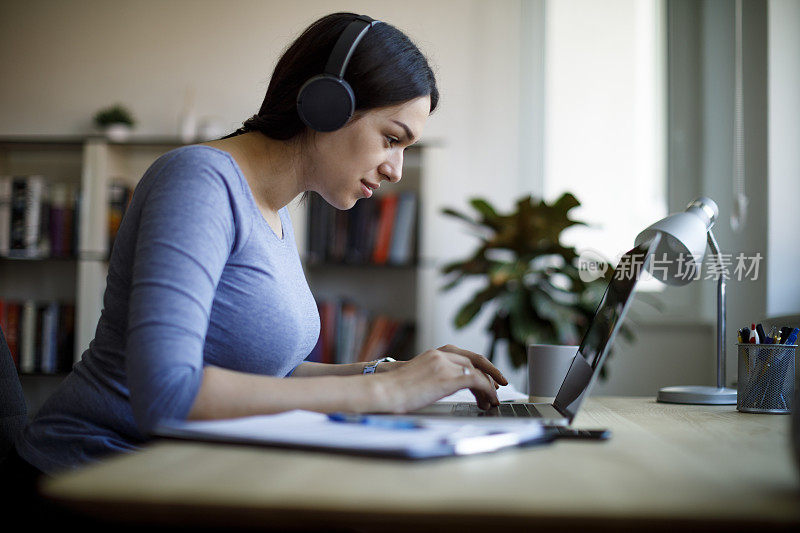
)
(27, 336)
(27, 197)
(37, 217)
(355, 246)
(360, 334)
(344, 333)
(119, 196)
(352, 331)
(62, 220)
(337, 236)
(47, 353)
(376, 331)
(40, 335)
(383, 239)
(366, 238)
(5, 214)
(327, 312)
(402, 242)
(349, 333)
(9, 321)
(380, 230)
(316, 227)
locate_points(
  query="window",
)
(605, 118)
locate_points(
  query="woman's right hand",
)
(431, 376)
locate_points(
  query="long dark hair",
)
(386, 69)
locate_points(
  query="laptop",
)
(585, 367)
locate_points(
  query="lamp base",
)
(697, 395)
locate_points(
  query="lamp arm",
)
(721, 306)
(712, 243)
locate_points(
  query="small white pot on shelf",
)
(117, 132)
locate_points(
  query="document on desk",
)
(311, 430)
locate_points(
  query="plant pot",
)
(117, 132)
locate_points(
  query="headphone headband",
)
(346, 45)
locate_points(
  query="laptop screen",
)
(600, 335)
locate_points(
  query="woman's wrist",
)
(389, 366)
(381, 391)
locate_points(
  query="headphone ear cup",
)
(325, 103)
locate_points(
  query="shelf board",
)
(77, 141)
(42, 141)
(37, 259)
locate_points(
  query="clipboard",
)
(315, 431)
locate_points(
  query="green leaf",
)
(566, 202)
(466, 314)
(473, 307)
(525, 322)
(488, 213)
(453, 282)
(453, 213)
(518, 353)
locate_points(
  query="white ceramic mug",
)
(547, 366)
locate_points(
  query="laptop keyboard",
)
(502, 410)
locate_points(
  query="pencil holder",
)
(766, 378)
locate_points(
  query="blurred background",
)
(630, 105)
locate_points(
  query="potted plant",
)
(115, 121)
(530, 277)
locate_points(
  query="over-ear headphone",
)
(326, 102)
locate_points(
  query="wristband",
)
(370, 368)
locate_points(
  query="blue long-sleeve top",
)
(197, 277)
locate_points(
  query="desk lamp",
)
(680, 254)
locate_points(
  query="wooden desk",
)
(665, 466)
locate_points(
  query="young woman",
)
(207, 310)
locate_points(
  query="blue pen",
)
(376, 421)
(771, 336)
(792, 336)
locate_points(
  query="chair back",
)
(13, 408)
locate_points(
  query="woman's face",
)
(350, 163)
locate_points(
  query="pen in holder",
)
(766, 378)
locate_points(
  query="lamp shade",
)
(683, 242)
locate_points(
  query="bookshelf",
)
(37, 276)
(72, 277)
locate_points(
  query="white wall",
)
(67, 59)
